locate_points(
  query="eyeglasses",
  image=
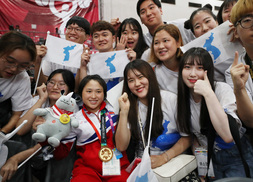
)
(60, 85)
(76, 29)
(246, 22)
(12, 64)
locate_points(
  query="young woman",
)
(140, 86)
(17, 52)
(48, 94)
(94, 136)
(58, 80)
(166, 53)
(201, 21)
(131, 32)
(225, 11)
(204, 104)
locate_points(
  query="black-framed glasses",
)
(246, 22)
(13, 64)
(76, 29)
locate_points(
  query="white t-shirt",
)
(186, 34)
(166, 78)
(169, 109)
(18, 88)
(49, 67)
(226, 97)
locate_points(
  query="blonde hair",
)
(175, 33)
(240, 9)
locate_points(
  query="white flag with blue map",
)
(108, 64)
(143, 172)
(63, 52)
(217, 43)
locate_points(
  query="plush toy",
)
(58, 121)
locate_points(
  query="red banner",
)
(36, 17)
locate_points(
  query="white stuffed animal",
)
(59, 120)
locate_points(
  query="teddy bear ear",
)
(62, 92)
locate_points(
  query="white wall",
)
(127, 8)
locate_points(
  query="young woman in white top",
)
(204, 105)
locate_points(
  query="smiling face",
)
(226, 12)
(76, 34)
(138, 85)
(165, 46)
(12, 64)
(54, 87)
(150, 14)
(203, 22)
(103, 40)
(132, 36)
(246, 35)
(192, 73)
(93, 96)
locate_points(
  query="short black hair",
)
(157, 2)
(102, 25)
(88, 78)
(81, 22)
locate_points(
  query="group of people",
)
(193, 98)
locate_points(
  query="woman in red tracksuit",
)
(91, 138)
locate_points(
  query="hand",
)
(158, 160)
(38, 121)
(131, 54)
(202, 87)
(9, 169)
(124, 103)
(115, 23)
(42, 91)
(239, 73)
(121, 44)
(85, 57)
(41, 50)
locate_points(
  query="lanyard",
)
(249, 62)
(101, 137)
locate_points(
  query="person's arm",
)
(123, 134)
(11, 165)
(29, 116)
(240, 74)
(41, 52)
(82, 72)
(182, 144)
(217, 114)
(12, 122)
(131, 54)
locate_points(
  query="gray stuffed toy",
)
(58, 121)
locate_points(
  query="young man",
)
(103, 37)
(242, 70)
(150, 13)
(77, 30)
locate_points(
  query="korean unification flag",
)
(108, 64)
(63, 52)
(217, 43)
(143, 172)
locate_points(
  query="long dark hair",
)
(153, 91)
(202, 57)
(141, 45)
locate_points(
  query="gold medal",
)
(105, 154)
(64, 119)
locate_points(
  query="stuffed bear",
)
(58, 121)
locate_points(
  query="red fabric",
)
(88, 166)
(26, 13)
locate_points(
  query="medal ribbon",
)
(59, 111)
